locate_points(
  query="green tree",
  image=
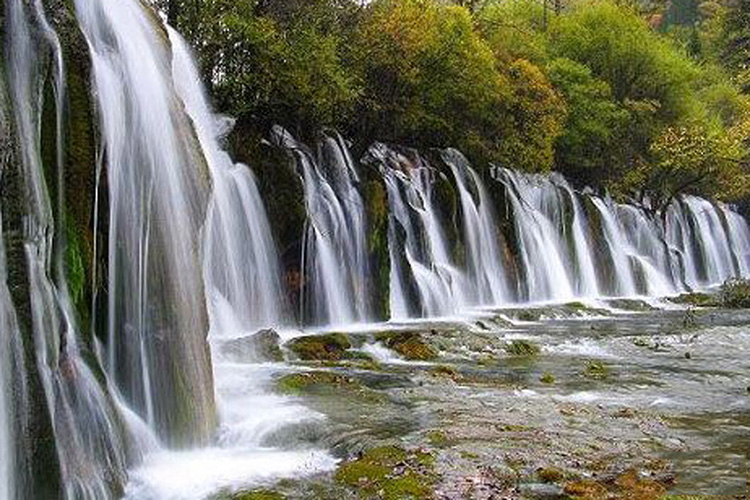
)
(589, 148)
(429, 79)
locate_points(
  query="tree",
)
(589, 150)
(429, 79)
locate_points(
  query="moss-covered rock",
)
(389, 473)
(735, 293)
(329, 347)
(410, 345)
(547, 378)
(550, 474)
(697, 299)
(260, 494)
(585, 489)
(524, 348)
(377, 213)
(296, 383)
(596, 370)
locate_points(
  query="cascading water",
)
(423, 254)
(538, 216)
(190, 252)
(484, 259)
(88, 429)
(244, 293)
(695, 229)
(158, 189)
(12, 389)
(649, 250)
(583, 255)
(739, 235)
(335, 253)
(242, 274)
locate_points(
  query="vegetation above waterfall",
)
(646, 102)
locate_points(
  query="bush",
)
(735, 293)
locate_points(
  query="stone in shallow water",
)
(260, 346)
(330, 347)
(410, 345)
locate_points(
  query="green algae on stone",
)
(299, 382)
(329, 347)
(438, 439)
(550, 474)
(524, 348)
(389, 473)
(263, 494)
(735, 293)
(445, 371)
(547, 378)
(697, 299)
(410, 345)
(596, 370)
(325, 382)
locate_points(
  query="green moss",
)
(438, 439)
(549, 474)
(376, 201)
(410, 345)
(389, 473)
(323, 383)
(547, 378)
(576, 306)
(300, 382)
(444, 371)
(596, 370)
(585, 489)
(76, 269)
(696, 299)
(263, 494)
(330, 347)
(523, 348)
(529, 315)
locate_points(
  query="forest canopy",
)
(647, 101)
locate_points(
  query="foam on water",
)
(239, 459)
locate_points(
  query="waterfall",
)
(158, 191)
(12, 390)
(646, 239)
(87, 427)
(441, 286)
(538, 217)
(242, 274)
(335, 252)
(484, 259)
(739, 234)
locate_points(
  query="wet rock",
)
(596, 370)
(524, 348)
(550, 474)
(547, 378)
(540, 490)
(263, 345)
(410, 345)
(329, 347)
(695, 299)
(631, 305)
(389, 472)
(585, 489)
(735, 293)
